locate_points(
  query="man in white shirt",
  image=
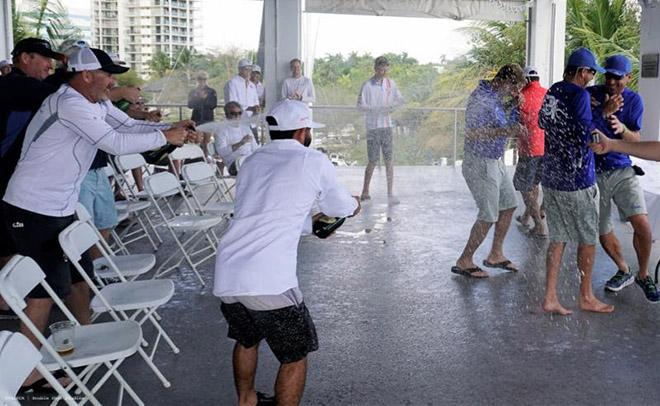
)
(241, 90)
(255, 77)
(255, 271)
(378, 97)
(233, 138)
(59, 146)
(298, 87)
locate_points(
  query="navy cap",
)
(618, 65)
(584, 58)
(36, 45)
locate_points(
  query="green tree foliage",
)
(46, 19)
(160, 64)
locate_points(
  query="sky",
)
(236, 23)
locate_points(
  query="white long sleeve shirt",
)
(302, 86)
(241, 91)
(225, 135)
(59, 147)
(275, 191)
(377, 100)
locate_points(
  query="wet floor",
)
(397, 328)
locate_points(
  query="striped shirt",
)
(59, 147)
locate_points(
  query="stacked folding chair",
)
(199, 175)
(193, 234)
(96, 345)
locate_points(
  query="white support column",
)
(649, 87)
(6, 32)
(282, 42)
(547, 30)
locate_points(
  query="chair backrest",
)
(77, 238)
(162, 184)
(130, 161)
(17, 278)
(82, 213)
(197, 172)
(187, 151)
(18, 357)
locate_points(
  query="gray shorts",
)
(622, 186)
(490, 186)
(572, 216)
(528, 173)
(379, 139)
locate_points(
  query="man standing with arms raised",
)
(255, 271)
(570, 194)
(617, 112)
(378, 97)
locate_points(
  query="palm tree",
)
(46, 19)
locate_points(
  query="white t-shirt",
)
(377, 100)
(241, 91)
(261, 92)
(59, 147)
(302, 86)
(275, 191)
(225, 135)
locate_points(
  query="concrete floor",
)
(397, 328)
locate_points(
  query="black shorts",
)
(35, 236)
(289, 331)
(7, 247)
(528, 173)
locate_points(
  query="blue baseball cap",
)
(584, 58)
(618, 65)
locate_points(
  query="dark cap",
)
(88, 59)
(36, 45)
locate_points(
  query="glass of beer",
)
(63, 333)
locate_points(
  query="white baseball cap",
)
(244, 63)
(256, 68)
(5, 62)
(291, 115)
(82, 59)
(530, 72)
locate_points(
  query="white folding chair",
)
(122, 297)
(187, 151)
(162, 186)
(200, 174)
(107, 344)
(18, 357)
(130, 266)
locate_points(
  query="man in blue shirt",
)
(488, 125)
(617, 113)
(570, 193)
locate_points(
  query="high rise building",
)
(138, 29)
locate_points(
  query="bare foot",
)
(539, 232)
(364, 197)
(594, 305)
(553, 306)
(470, 265)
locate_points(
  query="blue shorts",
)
(97, 197)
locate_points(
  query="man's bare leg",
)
(94, 252)
(368, 173)
(245, 370)
(38, 311)
(78, 302)
(535, 212)
(587, 300)
(478, 234)
(553, 265)
(290, 383)
(501, 228)
(612, 248)
(642, 241)
(389, 174)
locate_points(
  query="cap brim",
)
(616, 72)
(115, 69)
(599, 69)
(51, 54)
(314, 124)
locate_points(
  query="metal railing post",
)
(455, 133)
(180, 113)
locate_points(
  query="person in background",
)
(255, 77)
(5, 67)
(202, 100)
(570, 193)
(240, 89)
(530, 149)
(378, 97)
(617, 112)
(298, 87)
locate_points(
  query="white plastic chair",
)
(187, 151)
(18, 357)
(120, 298)
(99, 344)
(130, 266)
(199, 174)
(162, 186)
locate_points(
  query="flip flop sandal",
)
(264, 400)
(506, 265)
(469, 272)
